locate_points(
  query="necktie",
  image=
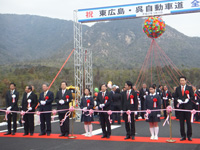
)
(183, 91)
(44, 94)
(127, 95)
(63, 92)
(103, 95)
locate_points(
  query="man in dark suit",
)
(63, 98)
(46, 98)
(117, 104)
(166, 95)
(29, 103)
(185, 102)
(12, 97)
(129, 102)
(103, 103)
(143, 93)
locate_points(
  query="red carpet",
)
(98, 137)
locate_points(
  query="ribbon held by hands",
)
(6, 114)
(148, 111)
(128, 112)
(169, 110)
(54, 112)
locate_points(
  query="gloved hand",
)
(179, 101)
(84, 109)
(42, 102)
(29, 100)
(61, 102)
(9, 108)
(186, 100)
(165, 98)
(197, 103)
(135, 112)
(95, 103)
(144, 96)
(158, 115)
(30, 108)
(96, 107)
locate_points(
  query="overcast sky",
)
(63, 9)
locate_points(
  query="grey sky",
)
(63, 9)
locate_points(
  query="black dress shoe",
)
(66, 135)
(8, 133)
(104, 136)
(25, 134)
(189, 139)
(48, 134)
(42, 134)
(127, 137)
(183, 139)
(13, 133)
(108, 136)
(31, 134)
(61, 135)
(133, 138)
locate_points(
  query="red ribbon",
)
(155, 102)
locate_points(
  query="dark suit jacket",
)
(101, 100)
(33, 98)
(127, 102)
(59, 97)
(48, 105)
(178, 95)
(142, 93)
(9, 100)
(166, 102)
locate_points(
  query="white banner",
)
(156, 8)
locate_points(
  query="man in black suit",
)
(143, 93)
(63, 98)
(166, 95)
(185, 102)
(29, 103)
(117, 104)
(45, 100)
(12, 97)
(104, 104)
(129, 102)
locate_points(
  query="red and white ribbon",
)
(13, 98)
(193, 112)
(6, 114)
(169, 110)
(148, 111)
(128, 112)
(22, 116)
(54, 112)
(67, 114)
(109, 113)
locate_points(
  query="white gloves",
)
(96, 107)
(29, 100)
(186, 100)
(9, 108)
(179, 101)
(42, 102)
(61, 102)
(101, 105)
(144, 96)
(158, 115)
(197, 103)
(85, 109)
(95, 103)
(165, 98)
(30, 108)
(135, 112)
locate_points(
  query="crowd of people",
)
(126, 101)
